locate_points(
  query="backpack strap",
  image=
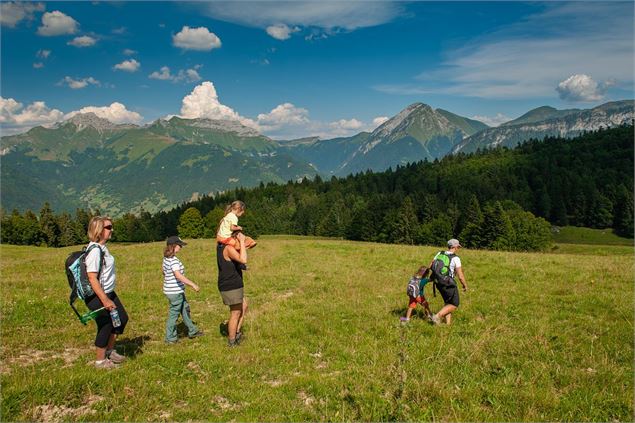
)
(102, 259)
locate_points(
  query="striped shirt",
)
(171, 285)
(107, 276)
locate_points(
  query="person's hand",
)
(239, 228)
(464, 288)
(195, 287)
(240, 237)
(109, 304)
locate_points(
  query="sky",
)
(296, 69)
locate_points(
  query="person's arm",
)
(181, 278)
(235, 255)
(99, 291)
(459, 273)
(235, 228)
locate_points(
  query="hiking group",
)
(91, 275)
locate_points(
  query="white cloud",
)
(128, 65)
(187, 75)
(285, 114)
(83, 41)
(582, 88)
(38, 65)
(163, 75)
(78, 83)
(15, 119)
(328, 16)
(529, 58)
(120, 30)
(116, 113)
(11, 13)
(492, 121)
(57, 23)
(196, 39)
(379, 120)
(203, 102)
(43, 54)
(129, 52)
(281, 31)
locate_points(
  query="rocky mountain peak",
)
(90, 119)
(218, 125)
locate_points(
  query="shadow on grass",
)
(131, 347)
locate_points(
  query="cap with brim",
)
(176, 240)
(453, 243)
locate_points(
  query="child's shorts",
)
(412, 303)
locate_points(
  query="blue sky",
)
(292, 69)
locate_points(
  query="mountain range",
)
(89, 162)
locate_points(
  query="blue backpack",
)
(77, 275)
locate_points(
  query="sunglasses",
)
(109, 227)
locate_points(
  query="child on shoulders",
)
(229, 224)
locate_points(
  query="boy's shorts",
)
(412, 303)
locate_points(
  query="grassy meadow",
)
(538, 337)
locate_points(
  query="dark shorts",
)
(449, 293)
(235, 296)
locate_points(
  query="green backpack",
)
(441, 269)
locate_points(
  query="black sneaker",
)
(196, 335)
(232, 343)
(238, 338)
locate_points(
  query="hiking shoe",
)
(171, 342)
(105, 364)
(239, 336)
(196, 335)
(115, 357)
(232, 343)
(434, 319)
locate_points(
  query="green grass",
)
(577, 235)
(539, 337)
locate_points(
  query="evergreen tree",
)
(623, 218)
(48, 226)
(212, 220)
(190, 224)
(407, 224)
(497, 231)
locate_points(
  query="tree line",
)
(503, 199)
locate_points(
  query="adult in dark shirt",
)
(230, 284)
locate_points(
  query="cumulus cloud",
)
(203, 102)
(129, 52)
(128, 66)
(184, 75)
(379, 120)
(57, 23)
(283, 115)
(196, 39)
(38, 65)
(281, 31)
(77, 84)
(115, 113)
(582, 88)
(492, 121)
(11, 13)
(14, 118)
(83, 41)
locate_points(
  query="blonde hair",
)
(168, 251)
(96, 227)
(235, 205)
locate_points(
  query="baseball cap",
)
(453, 243)
(175, 240)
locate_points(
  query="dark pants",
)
(449, 293)
(103, 320)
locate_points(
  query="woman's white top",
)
(107, 276)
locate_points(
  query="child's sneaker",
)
(105, 364)
(115, 357)
(404, 320)
(196, 335)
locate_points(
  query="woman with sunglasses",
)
(100, 266)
